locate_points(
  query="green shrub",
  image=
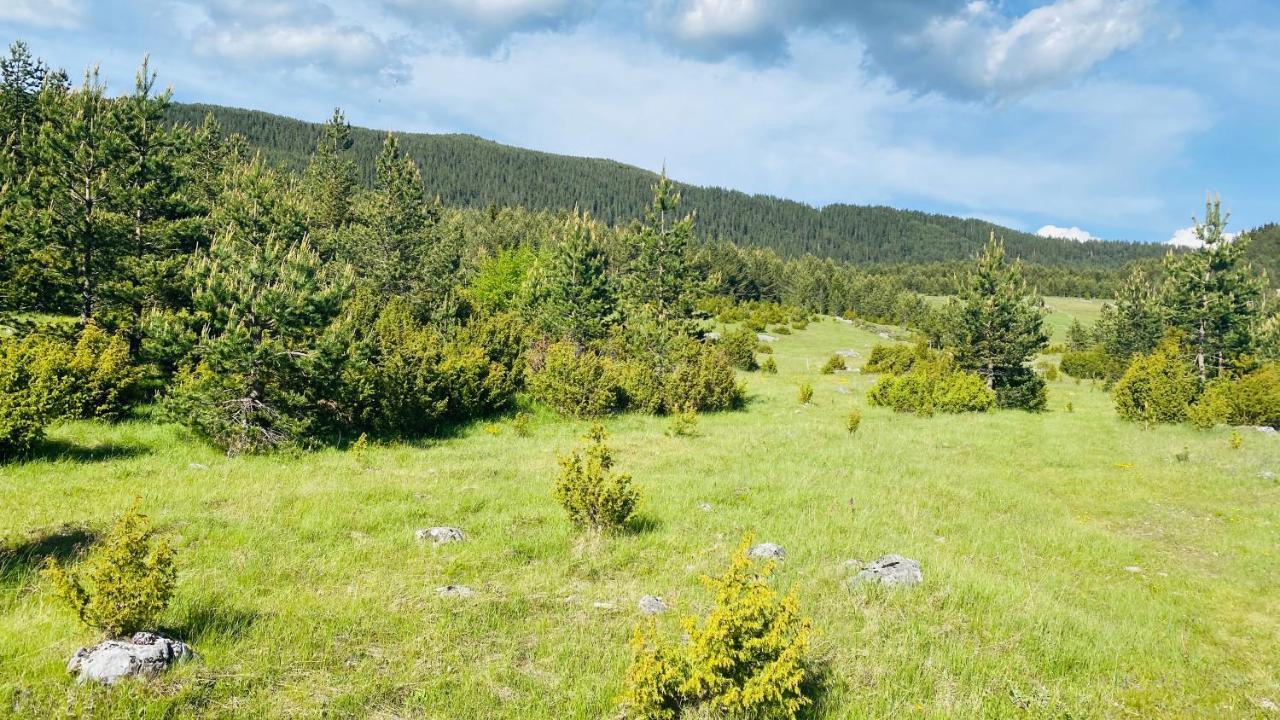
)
(738, 346)
(126, 581)
(1157, 388)
(684, 423)
(781, 330)
(769, 366)
(520, 424)
(745, 659)
(641, 385)
(853, 421)
(1022, 389)
(933, 386)
(764, 349)
(703, 379)
(34, 388)
(595, 497)
(575, 382)
(1235, 442)
(1252, 399)
(835, 363)
(1091, 364)
(1048, 369)
(105, 379)
(894, 359)
(805, 394)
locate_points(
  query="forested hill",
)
(468, 171)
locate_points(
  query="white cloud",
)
(62, 14)
(1071, 233)
(1186, 237)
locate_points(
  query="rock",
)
(1267, 475)
(440, 535)
(143, 654)
(602, 605)
(652, 605)
(711, 336)
(884, 335)
(455, 591)
(1132, 569)
(765, 338)
(197, 466)
(891, 571)
(767, 551)
(705, 507)
(1266, 429)
(848, 353)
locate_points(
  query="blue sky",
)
(1110, 117)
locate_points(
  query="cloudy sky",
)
(1090, 118)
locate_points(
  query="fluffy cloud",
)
(1187, 238)
(968, 50)
(63, 14)
(1071, 233)
(294, 35)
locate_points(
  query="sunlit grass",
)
(305, 594)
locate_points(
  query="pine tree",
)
(1212, 296)
(661, 284)
(1078, 338)
(80, 150)
(576, 295)
(330, 178)
(1001, 328)
(1134, 325)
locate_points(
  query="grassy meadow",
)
(1074, 567)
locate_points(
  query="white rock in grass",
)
(455, 591)
(767, 551)
(765, 338)
(441, 535)
(112, 660)
(891, 571)
(652, 605)
(1266, 429)
(711, 336)
(1267, 475)
(705, 507)
(197, 466)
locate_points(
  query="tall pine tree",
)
(575, 294)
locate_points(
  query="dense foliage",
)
(595, 496)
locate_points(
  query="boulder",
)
(711, 336)
(767, 551)
(455, 591)
(765, 338)
(112, 660)
(890, 571)
(652, 605)
(441, 535)
(1266, 429)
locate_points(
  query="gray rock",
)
(705, 507)
(767, 551)
(765, 338)
(441, 535)
(652, 605)
(711, 336)
(884, 335)
(112, 660)
(848, 353)
(890, 571)
(455, 591)
(1267, 475)
(197, 466)
(1266, 429)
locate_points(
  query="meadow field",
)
(1074, 565)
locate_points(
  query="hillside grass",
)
(1073, 567)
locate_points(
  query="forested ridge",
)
(465, 170)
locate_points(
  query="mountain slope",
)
(468, 171)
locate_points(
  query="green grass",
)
(1061, 311)
(304, 593)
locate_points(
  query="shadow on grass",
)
(61, 450)
(208, 621)
(641, 524)
(22, 557)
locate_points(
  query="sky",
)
(1076, 118)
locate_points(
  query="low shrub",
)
(684, 423)
(105, 379)
(933, 386)
(1157, 388)
(769, 366)
(764, 349)
(576, 382)
(703, 379)
(738, 346)
(1091, 364)
(781, 330)
(34, 388)
(745, 659)
(125, 583)
(1022, 389)
(595, 497)
(805, 394)
(894, 359)
(835, 363)
(853, 421)
(1048, 370)
(1252, 399)
(1235, 441)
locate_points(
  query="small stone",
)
(197, 466)
(1266, 704)
(602, 605)
(455, 591)
(711, 336)
(891, 571)
(884, 335)
(652, 605)
(843, 390)
(1267, 475)
(440, 535)
(112, 660)
(767, 551)
(704, 507)
(1132, 569)
(765, 338)
(1266, 429)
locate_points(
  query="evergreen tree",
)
(330, 178)
(661, 284)
(1001, 328)
(1133, 326)
(80, 150)
(576, 295)
(1212, 296)
(1078, 338)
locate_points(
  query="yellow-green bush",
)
(105, 379)
(769, 366)
(745, 659)
(739, 347)
(853, 421)
(125, 583)
(1091, 364)
(684, 423)
(1252, 399)
(703, 379)
(33, 389)
(931, 386)
(576, 382)
(805, 394)
(595, 497)
(835, 363)
(1157, 388)
(894, 359)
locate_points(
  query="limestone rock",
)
(441, 535)
(455, 591)
(891, 571)
(112, 660)
(652, 605)
(765, 338)
(767, 551)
